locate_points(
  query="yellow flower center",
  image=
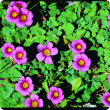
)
(81, 62)
(19, 55)
(19, 6)
(25, 85)
(55, 94)
(34, 104)
(78, 47)
(108, 99)
(23, 18)
(46, 52)
(14, 14)
(8, 50)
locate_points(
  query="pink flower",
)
(25, 18)
(34, 102)
(19, 55)
(25, 86)
(13, 14)
(45, 52)
(82, 62)
(108, 16)
(78, 46)
(106, 99)
(19, 4)
(55, 95)
(7, 49)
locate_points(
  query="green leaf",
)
(75, 83)
(7, 91)
(15, 96)
(102, 77)
(57, 11)
(85, 97)
(45, 86)
(5, 30)
(87, 35)
(63, 103)
(78, 100)
(32, 72)
(4, 104)
(68, 78)
(106, 85)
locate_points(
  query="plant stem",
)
(60, 66)
(27, 4)
(5, 67)
(33, 6)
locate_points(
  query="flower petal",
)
(2, 49)
(75, 66)
(40, 47)
(73, 44)
(54, 51)
(18, 87)
(55, 101)
(88, 63)
(60, 92)
(24, 92)
(24, 11)
(60, 98)
(84, 69)
(40, 101)
(16, 9)
(48, 60)
(29, 80)
(84, 57)
(20, 24)
(19, 49)
(28, 22)
(108, 77)
(9, 10)
(49, 95)
(8, 18)
(49, 45)
(24, 60)
(34, 97)
(27, 102)
(24, 4)
(53, 88)
(29, 15)
(83, 45)
(6, 55)
(108, 16)
(21, 79)
(77, 57)
(74, 50)
(40, 56)
(12, 3)
(30, 88)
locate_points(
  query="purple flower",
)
(82, 62)
(13, 14)
(19, 4)
(19, 55)
(7, 49)
(25, 86)
(34, 102)
(25, 18)
(45, 52)
(55, 95)
(108, 16)
(106, 99)
(78, 46)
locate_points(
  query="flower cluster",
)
(18, 54)
(81, 61)
(25, 86)
(18, 14)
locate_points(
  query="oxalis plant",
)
(61, 61)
